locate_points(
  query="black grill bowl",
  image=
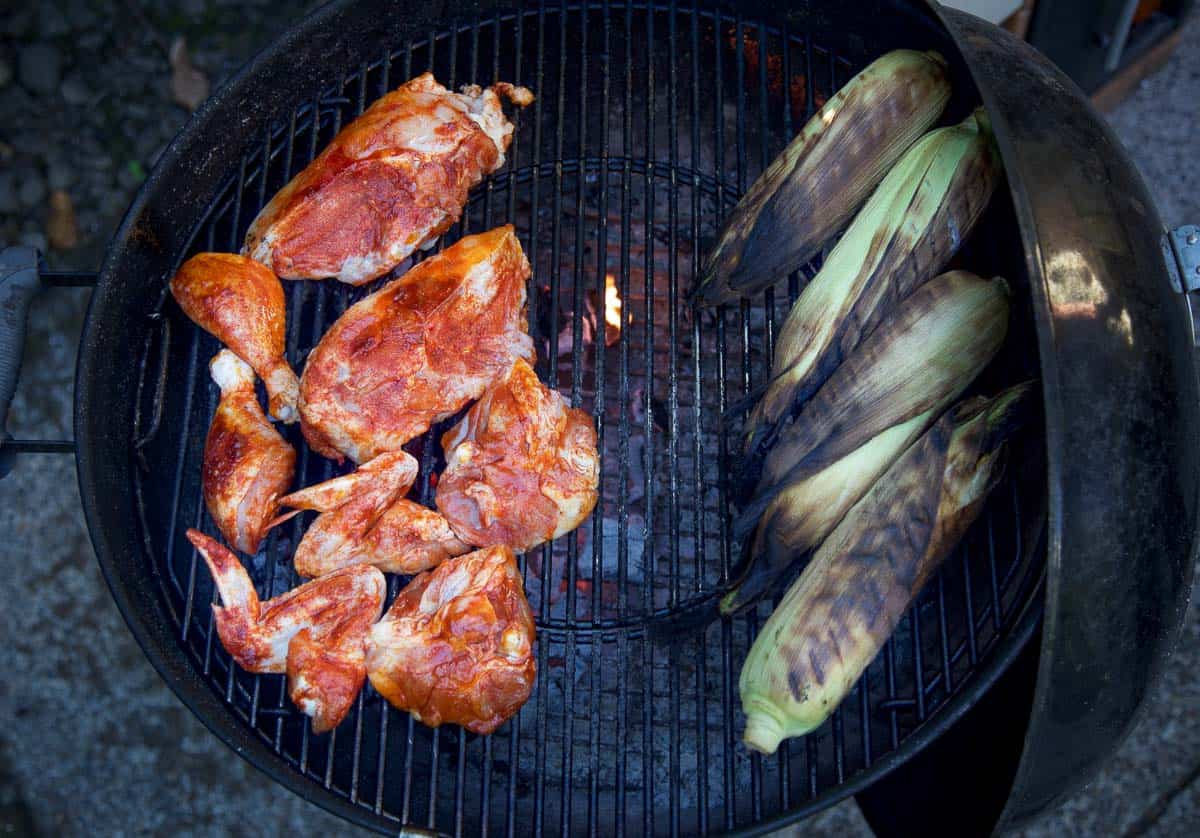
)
(649, 122)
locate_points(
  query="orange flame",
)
(612, 311)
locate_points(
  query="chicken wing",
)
(521, 466)
(240, 303)
(247, 464)
(418, 350)
(315, 632)
(393, 180)
(457, 644)
(365, 518)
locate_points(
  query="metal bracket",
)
(21, 277)
(1181, 249)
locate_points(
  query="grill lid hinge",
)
(1181, 249)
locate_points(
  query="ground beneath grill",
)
(98, 744)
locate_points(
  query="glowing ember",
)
(612, 311)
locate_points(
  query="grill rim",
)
(150, 622)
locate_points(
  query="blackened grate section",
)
(648, 124)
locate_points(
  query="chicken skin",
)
(241, 304)
(521, 466)
(315, 633)
(457, 644)
(247, 464)
(365, 518)
(393, 180)
(418, 350)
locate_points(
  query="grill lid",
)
(1121, 407)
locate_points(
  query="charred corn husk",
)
(819, 180)
(908, 230)
(870, 410)
(834, 619)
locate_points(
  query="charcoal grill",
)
(650, 120)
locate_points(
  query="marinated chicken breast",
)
(314, 632)
(240, 303)
(418, 350)
(457, 644)
(365, 518)
(521, 467)
(247, 464)
(393, 180)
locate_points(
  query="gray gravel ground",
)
(94, 742)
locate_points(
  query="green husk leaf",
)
(910, 228)
(881, 399)
(839, 613)
(813, 187)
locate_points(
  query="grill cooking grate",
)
(618, 175)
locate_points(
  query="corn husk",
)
(813, 187)
(839, 613)
(910, 228)
(873, 407)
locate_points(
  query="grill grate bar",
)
(540, 741)
(648, 469)
(623, 280)
(914, 619)
(673, 428)
(406, 803)
(600, 409)
(271, 539)
(514, 154)
(702, 798)
(943, 636)
(381, 767)
(459, 781)
(293, 357)
(233, 244)
(889, 651)
(810, 761)
(864, 715)
(839, 749)
(566, 797)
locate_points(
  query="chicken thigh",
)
(240, 303)
(457, 644)
(365, 518)
(521, 466)
(418, 350)
(314, 632)
(247, 464)
(393, 180)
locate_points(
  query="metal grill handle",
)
(1181, 251)
(20, 280)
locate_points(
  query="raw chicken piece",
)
(247, 464)
(521, 466)
(314, 632)
(365, 518)
(240, 303)
(418, 350)
(457, 644)
(393, 180)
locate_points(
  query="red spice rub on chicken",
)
(521, 467)
(391, 181)
(314, 632)
(418, 350)
(457, 644)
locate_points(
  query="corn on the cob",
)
(841, 610)
(908, 230)
(819, 180)
(870, 410)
